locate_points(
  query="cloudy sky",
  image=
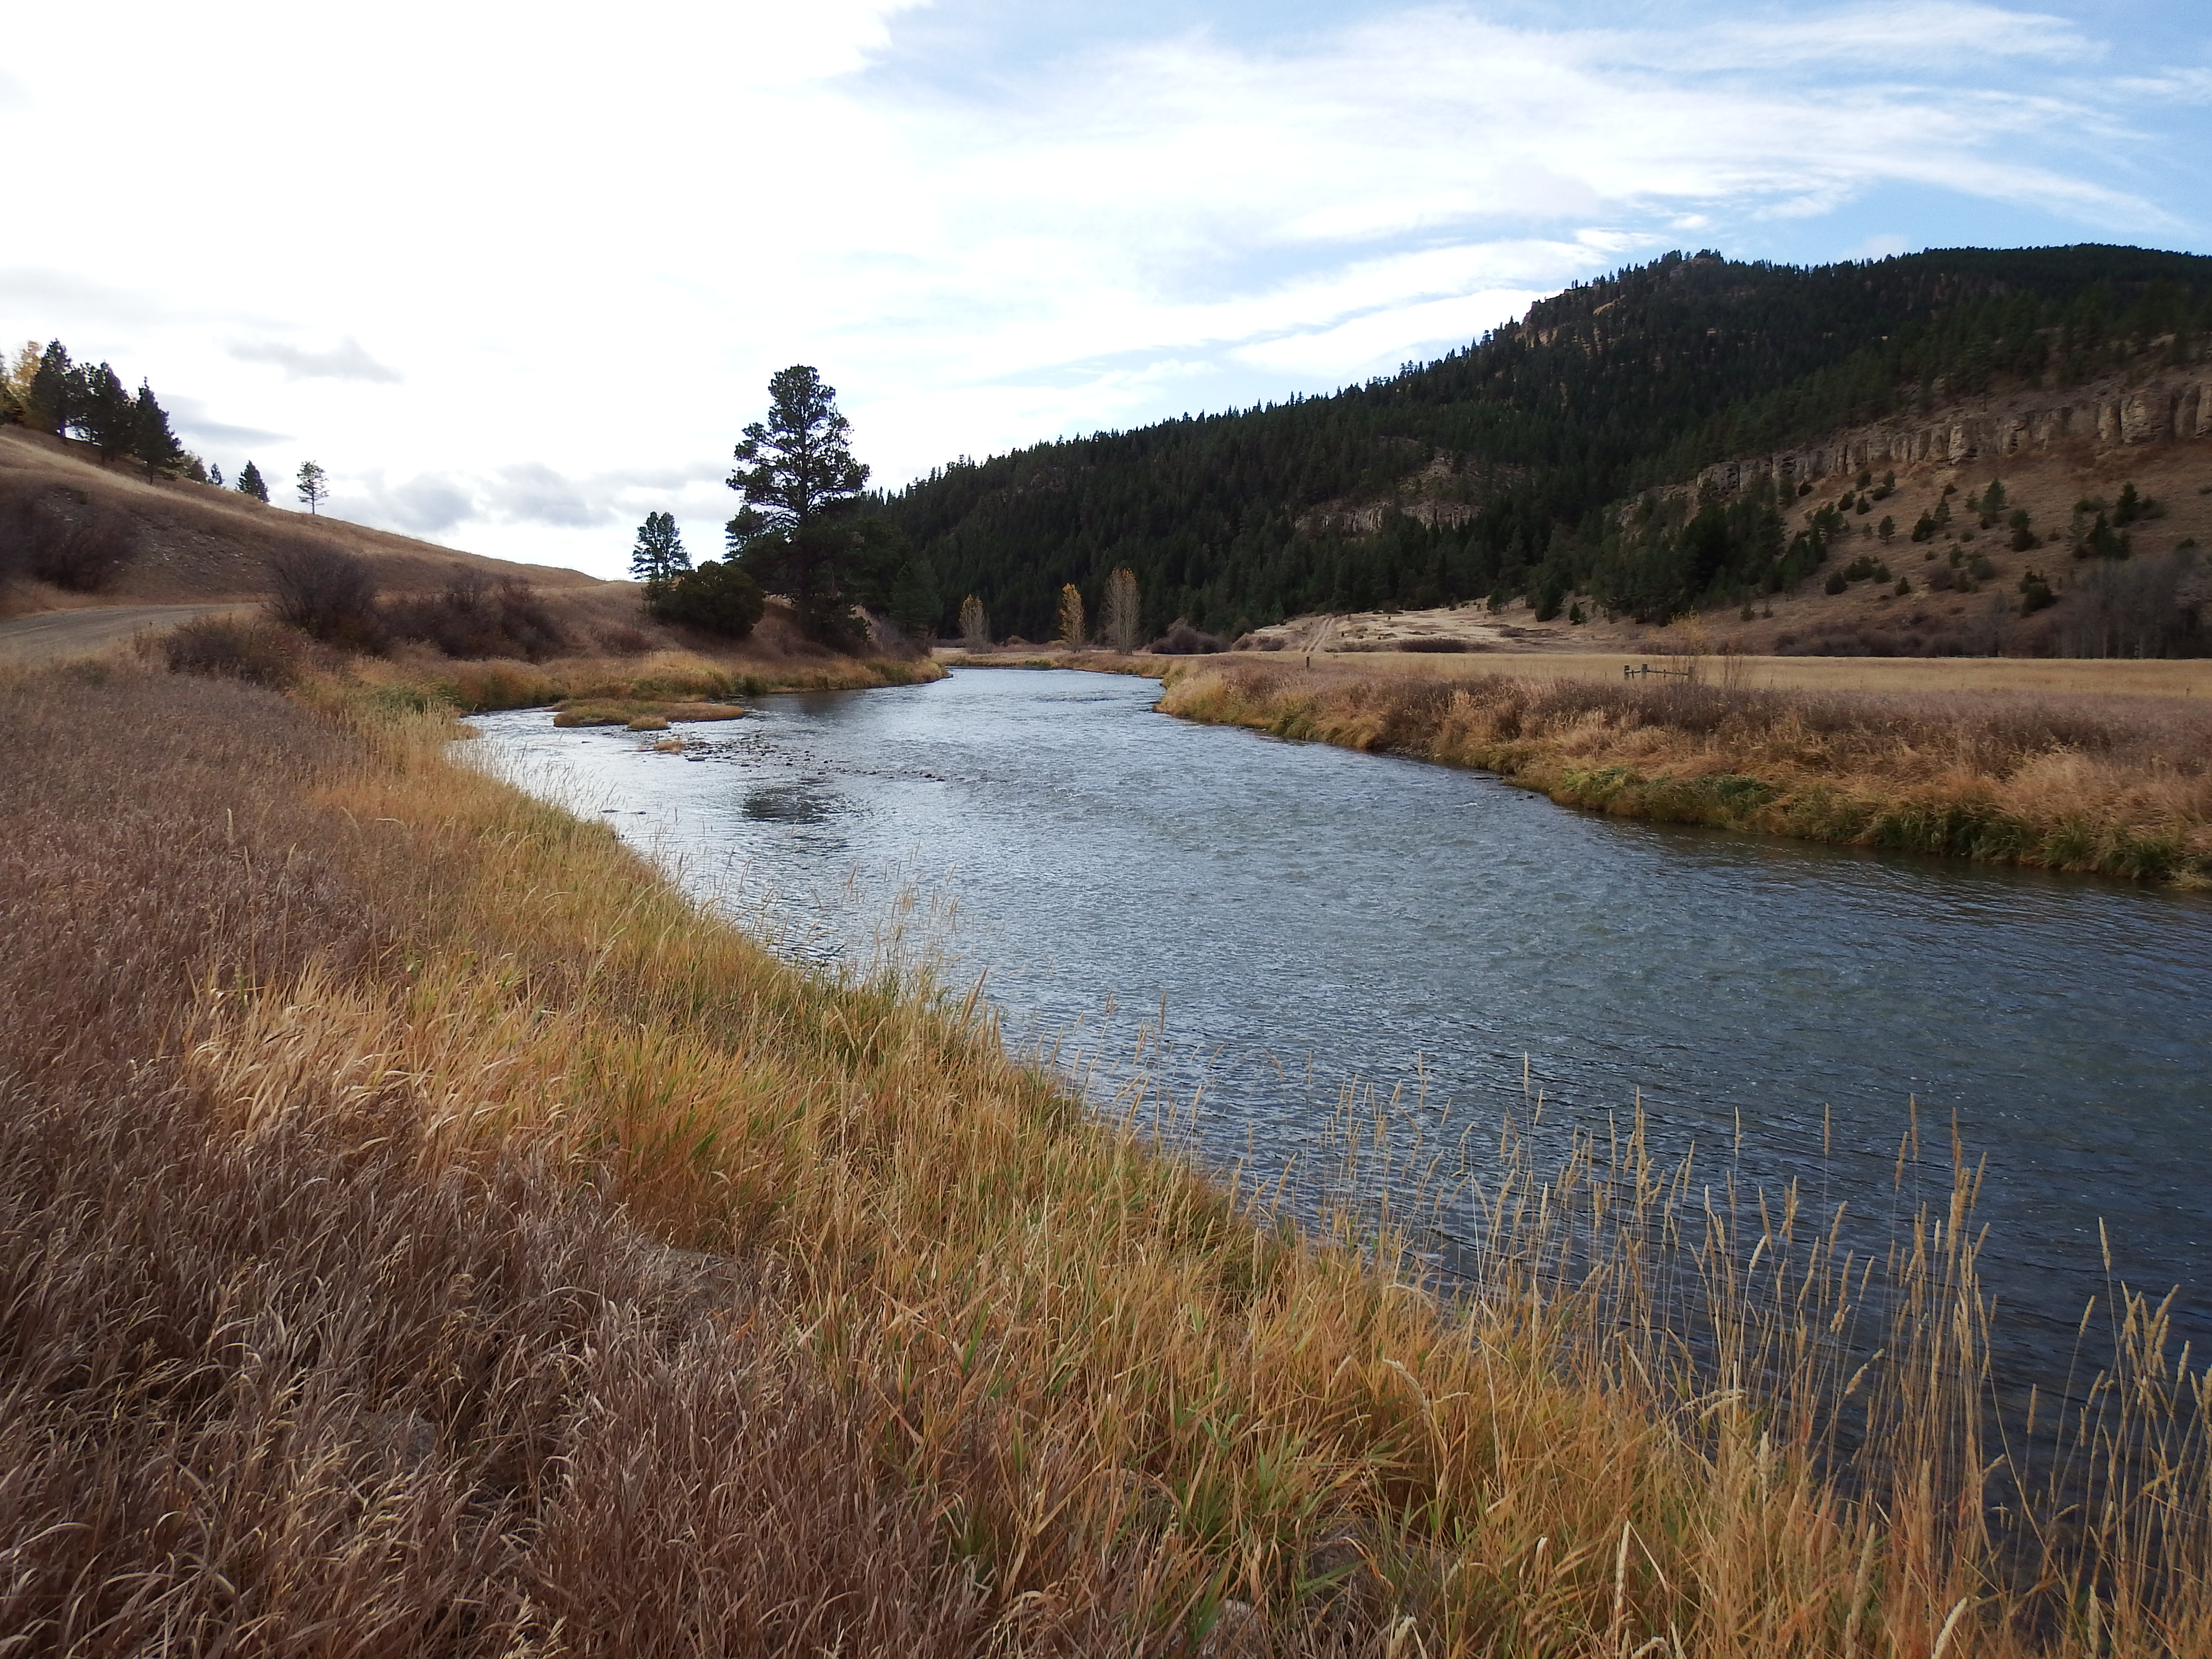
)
(518, 274)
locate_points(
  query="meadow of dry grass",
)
(2071, 677)
(426, 1233)
(2117, 785)
(655, 678)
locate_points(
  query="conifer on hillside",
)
(107, 415)
(47, 408)
(151, 440)
(250, 482)
(312, 485)
(913, 598)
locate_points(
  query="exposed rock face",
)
(2174, 407)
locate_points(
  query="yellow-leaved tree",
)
(1120, 618)
(974, 626)
(1074, 631)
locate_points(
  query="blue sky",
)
(518, 275)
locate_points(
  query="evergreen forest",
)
(1523, 449)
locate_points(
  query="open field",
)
(2068, 676)
(427, 1233)
(2065, 676)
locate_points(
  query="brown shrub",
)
(1181, 639)
(60, 536)
(261, 653)
(473, 618)
(327, 592)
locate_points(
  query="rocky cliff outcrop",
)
(2174, 406)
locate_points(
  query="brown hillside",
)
(194, 543)
(2053, 449)
(2063, 455)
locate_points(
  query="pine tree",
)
(312, 485)
(914, 599)
(1119, 622)
(718, 597)
(215, 475)
(52, 382)
(250, 482)
(106, 414)
(151, 440)
(801, 482)
(658, 558)
(1074, 632)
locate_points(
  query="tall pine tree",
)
(250, 482)
(107, 414)
(800, 483)
(48, 407)
(151, 440)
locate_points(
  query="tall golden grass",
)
(2118, 787)
(427, 1232)
(477, 686)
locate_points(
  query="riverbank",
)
(2113, 785)
(1673, 652)
(503, 1254)
(658, 678)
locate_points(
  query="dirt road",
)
(52, 635)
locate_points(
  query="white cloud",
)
(346, 360)
(1400, 334)
(427, 504)
(589, 241)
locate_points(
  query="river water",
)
(1312, 919)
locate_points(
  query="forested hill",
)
(1461, 478)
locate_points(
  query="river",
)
(1312, 919)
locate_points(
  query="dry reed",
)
(429, 1234)
(2119, 787)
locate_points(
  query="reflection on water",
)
(800, 802)
(1308, 917)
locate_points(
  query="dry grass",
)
(660, 679)
(2123, 787)
(2072, 676)
(426, 1233)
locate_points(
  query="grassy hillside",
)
(1489, 471)
(167, 541)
